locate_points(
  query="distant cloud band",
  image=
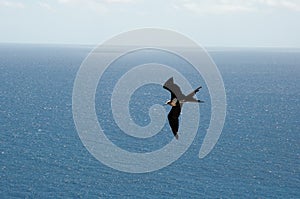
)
(232, 6)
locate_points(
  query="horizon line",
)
(89, 45)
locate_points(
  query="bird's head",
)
(171, 102)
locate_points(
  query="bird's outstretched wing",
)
(190, 97)
(173, 118)
(174, 89)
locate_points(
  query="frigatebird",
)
(176, 101)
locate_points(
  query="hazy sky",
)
(246, 23)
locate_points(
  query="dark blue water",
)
(257, 155)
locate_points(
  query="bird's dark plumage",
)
(176, 101)
(173, 118)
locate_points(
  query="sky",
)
(211, 23)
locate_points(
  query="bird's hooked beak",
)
(167, 103)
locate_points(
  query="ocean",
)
(42, 156)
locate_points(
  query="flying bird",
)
(176, 101)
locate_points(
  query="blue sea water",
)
(41, 154)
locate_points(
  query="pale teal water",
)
(257, 156)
